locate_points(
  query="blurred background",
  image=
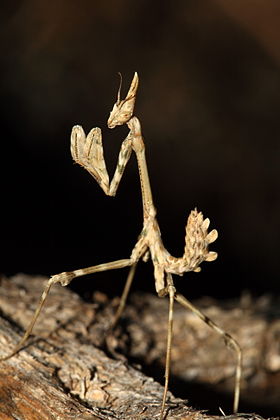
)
(209, 105)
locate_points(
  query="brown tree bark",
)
(74, 367)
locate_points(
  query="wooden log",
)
(74, 367)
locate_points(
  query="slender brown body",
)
(88, 152)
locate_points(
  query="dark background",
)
(209, 106)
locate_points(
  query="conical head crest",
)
(123, 109)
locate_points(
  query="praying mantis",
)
(87, 150)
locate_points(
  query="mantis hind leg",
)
(64, 279)
(229, 341)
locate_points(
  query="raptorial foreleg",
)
(87, 151)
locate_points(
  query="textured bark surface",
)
(75, 368)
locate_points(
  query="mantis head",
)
(123, 109)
